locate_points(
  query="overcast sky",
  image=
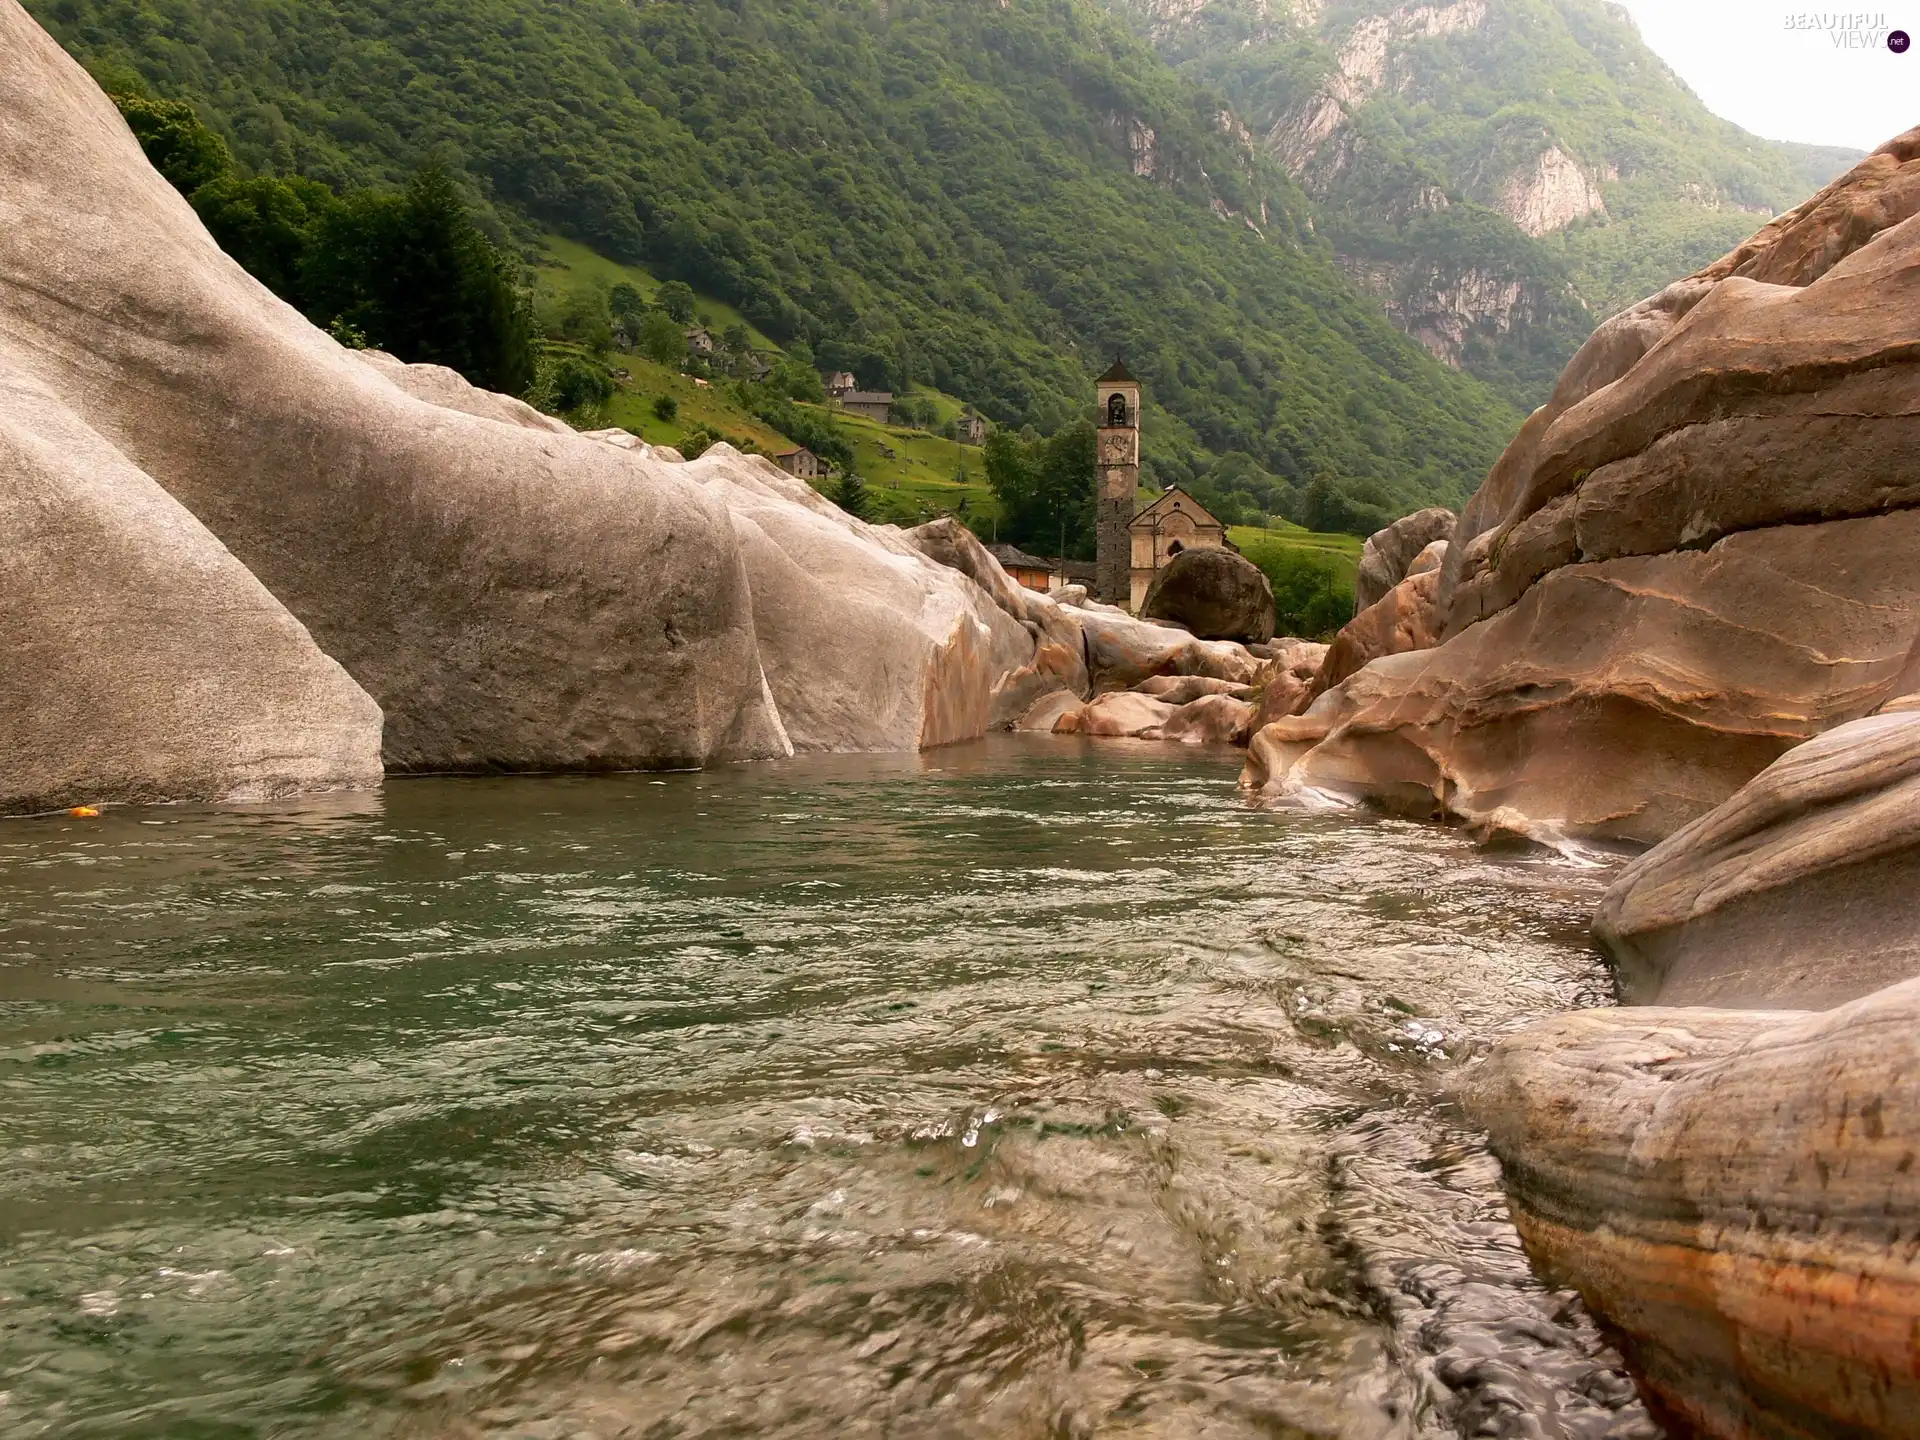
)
(1740, 57)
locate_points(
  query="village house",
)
(700, 341)
(799, 461)
(871, 404)
(970, 429)
(1029, 570)
(839, 383)
(1172, 523)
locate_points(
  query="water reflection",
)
(1025, 1088)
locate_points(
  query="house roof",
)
(791, 450)
(867, 397)
(1013, 555)
(1117, 374)
(1174, 498)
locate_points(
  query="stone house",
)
(700, 341)
(839, 383)
(873, 404)
(800, 461)
(970, 429)
(1172, 523)
(1029, 570)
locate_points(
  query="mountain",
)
(992, 198)
(1499, 173)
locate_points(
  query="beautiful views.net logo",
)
(1852, 29)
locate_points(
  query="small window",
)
(1116, 409)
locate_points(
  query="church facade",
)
(1172, 523)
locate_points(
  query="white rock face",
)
(514, 596)
(1552, 195)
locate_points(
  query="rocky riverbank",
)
(1684, 611)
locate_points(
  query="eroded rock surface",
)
(1215, 593)
(1733, 1192)
(1389, 553)
(1700, 553)
(1405, 618)
(1800, 891)
(142, 661)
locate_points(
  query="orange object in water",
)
(84, 812)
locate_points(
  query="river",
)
(1030, 1087)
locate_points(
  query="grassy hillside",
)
(1443, 111)
(989, 201)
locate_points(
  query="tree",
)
(676, 298)
(665, 407)
(412, 271)
(177, 142)
(579, 385)
(661, 340)
(850, 494)
(266, 223)
(1045, 487)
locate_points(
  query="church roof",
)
(1174, 498)
(1117, 374)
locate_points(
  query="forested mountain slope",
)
(1501, 173)
(993, 198)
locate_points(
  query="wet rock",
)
(143, 662)
(1215, 593)
(1388, 556)
(1121, 652)
(1798, 891)
(1044, 714)
(1700, 553)
(1179, 689)
(1732, 1192)
(1210, 720)
(1122, 714)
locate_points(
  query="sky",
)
(1743, 60)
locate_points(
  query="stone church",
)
(1130, 546)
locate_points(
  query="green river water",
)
(1024, 1088)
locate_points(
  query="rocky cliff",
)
(1496, 172)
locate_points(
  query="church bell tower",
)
(1117, 479)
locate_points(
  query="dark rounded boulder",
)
(1217, 594)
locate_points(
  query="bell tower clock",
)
(1117, 479)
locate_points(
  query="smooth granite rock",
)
(1122, 651)
(1209, 720)
(1123, 714)
(1733, 1193)
(1405, 618)
(1180, 689)
(142, 661)
(1800, 891)
(1215, 593)
(1387, 557)
(1286, 680)
(1700, 553)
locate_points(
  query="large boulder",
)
(1122, 651)
(1209, 720)
(1387, 557)
(1121, 714)
(1215, 593)
(1701, 552)
(512, 594)
(1799, 891)
(1286, 681)
(1733, 1195)
(143, 662)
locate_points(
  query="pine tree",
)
(850, 494)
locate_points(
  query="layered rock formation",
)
(1733, 1194)
(1697, 555)
(1799, 892)
(1215, 593)
(1405, 618)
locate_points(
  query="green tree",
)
(578, 386)
(1045, 488)
(267, 224)
(177, 142)
(676, 298)
(851, 495)
(665, 407)
(412, 271)
(661, 339)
